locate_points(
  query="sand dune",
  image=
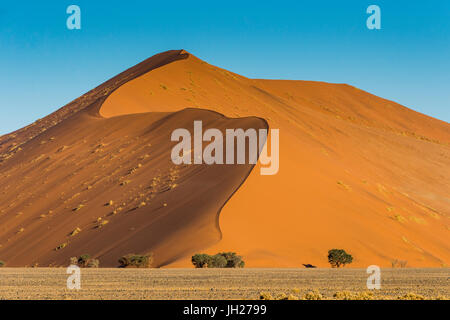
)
(356, 172)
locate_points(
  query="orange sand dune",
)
(356, 172)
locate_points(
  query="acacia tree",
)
(220, 260)
(201, 260)
(136, 260)
(217, 261)
(233, 260)
(338, 257)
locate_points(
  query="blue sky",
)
(43, 65)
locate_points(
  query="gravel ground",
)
(104, 283)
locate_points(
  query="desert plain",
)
(203, 284)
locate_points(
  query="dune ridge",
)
(356, 172)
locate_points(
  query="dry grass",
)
(290, 284)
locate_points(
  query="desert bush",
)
(399, 263)
(338, 257)
(93, 263)
(220, 260)
(83, 260)
(201, 260)
(233, 260)
(217, 261)
(136, 261)
(2, 263)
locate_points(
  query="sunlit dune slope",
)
(356, 172)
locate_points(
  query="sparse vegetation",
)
(125, 182)
(347, 295)
(344, 185)
(313, 295)
(136, 261)
(2, 263)
(411, 296)
(338, 257)
(399, 263)
(284, 284)
(101, 223)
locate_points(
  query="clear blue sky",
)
(43, 65)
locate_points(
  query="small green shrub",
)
(338, 257)
(136, 261)
(2, 263)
